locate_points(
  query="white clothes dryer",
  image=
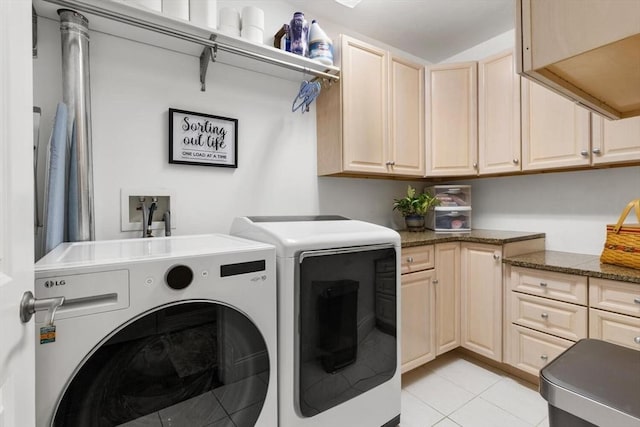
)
(338, 319)
(170, 331)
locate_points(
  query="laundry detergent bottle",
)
(320, 45)
(299, 34)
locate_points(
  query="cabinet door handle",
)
(435, 282)
(584, 153)
(596, 151)
(637, 340)
(636, 300)
(543, 284)
(475, 165)
(544, 357)
(410, 259)
(496, 257)
(516, 161)
(545, 315)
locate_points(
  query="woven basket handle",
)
(632, 204)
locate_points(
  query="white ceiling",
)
(430, 29)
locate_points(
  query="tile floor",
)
(455, 390)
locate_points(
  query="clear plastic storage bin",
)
(454, 211)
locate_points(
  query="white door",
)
(17, 379)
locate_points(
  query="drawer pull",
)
(496, 257)
(636, 300)
(545, 315)
(543, 284)
(544, 357)
(435, 281)
(637, 340)
(410, 259)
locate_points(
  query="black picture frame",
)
(202, 139)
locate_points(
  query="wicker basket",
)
(622, 246)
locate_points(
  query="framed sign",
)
(202, 139)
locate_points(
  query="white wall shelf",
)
(151, 27)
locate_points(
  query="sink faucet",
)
(152, 208)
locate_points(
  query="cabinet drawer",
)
(549, 284)
(558, 318)
(615, 296)
(532, 350)
(417, 258)
(616, 328)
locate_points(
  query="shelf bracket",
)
(208, 55)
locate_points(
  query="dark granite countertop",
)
(492, 237)
(572, 263)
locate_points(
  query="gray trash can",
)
(593, 383)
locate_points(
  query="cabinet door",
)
(451, 119)
(407, 118)
(615, 140)
(498, 115)
(447, 293)
(418, 317)
(481, 299)
(555, 131)
(365, 107)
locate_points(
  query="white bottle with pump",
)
(320, 45)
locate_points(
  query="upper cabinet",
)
(372, 122)
(555, 131)
(587, 50)
(451, 119)
(615, 140)
(498, 115)
(407, 117)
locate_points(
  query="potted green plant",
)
(413, 207)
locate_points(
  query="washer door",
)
(193, 363)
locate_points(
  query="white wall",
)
(133, 86)
(572, 208)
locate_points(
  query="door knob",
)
(596, 151)
(30, 305)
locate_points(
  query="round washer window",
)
(189, 364)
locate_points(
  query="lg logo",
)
(54, 283)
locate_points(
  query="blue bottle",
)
(299, 34)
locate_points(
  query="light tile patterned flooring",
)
(455, 390)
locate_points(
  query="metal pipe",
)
(76, 95)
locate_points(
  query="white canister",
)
(176, 8)
(252, 33)
(229, 20)
(204, 12)
(253, 17)
(149, 4)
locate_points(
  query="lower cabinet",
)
(481, 299)
(614, 312)
(430, 302)
(546, 314)
(418, 319)
(447, 294)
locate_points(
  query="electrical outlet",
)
(131, 200)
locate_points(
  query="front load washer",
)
(338, 319)
(169, 331)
